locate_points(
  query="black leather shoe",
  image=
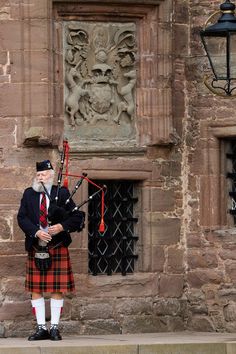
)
(40, 334)
(55, 334)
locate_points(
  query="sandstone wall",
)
(185, 276)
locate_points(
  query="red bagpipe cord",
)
(102, 225)
(101, 228)
(67, 148)
(65, 184)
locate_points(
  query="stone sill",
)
(225, 235)
(109, 151)
(226, 232)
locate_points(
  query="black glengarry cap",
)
(43, 165)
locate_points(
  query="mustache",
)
(38, 187)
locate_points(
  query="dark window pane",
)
(232, 176)
(114, 250)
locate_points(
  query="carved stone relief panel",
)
(100, 78)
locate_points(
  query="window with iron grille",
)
(231, 174)
(114, 251)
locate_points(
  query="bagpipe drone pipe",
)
(57, 211)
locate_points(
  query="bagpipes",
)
(56, 213)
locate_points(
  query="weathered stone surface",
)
(195, 295)
(175, 261)
(228, 254)
(199, 309)
(230, 311)
(165, 307)
(10, 34)
(19, 177)
(171, 169)
(3, 57)
(198, 278)
(79, 261)
(181, 42)
(12, 248)
(7, 92)
(158, 258)
(102, 326)
(171, 285)
(166, 231)
(12, 265)
(133, 306)
(13, 289)
(36, 9)
(10, 196)
(231, 270)
(94, 311)
(2, 330)
(200, 324)
(202, 259)
(14, 310)
(39, 71)
(5, 228)
(19, 328)
(181, 11)
(194, 240)
(136, 285)
(227, 294)
(162, 200)
(144, 323)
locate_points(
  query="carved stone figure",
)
(127, 94)
(76, 91)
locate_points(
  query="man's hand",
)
(55, 229)
(44, 236)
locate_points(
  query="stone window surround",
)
(113, 171)
(213, 215)
(153, 96)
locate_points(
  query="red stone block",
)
(205, 258)
(162, 200)
(15, 310)
(175, 260)
(165, 231)
(171, 285)
(198, 278)
(12, 265)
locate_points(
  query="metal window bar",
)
(114, 250)
(232, 175)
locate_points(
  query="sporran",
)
(42, 258)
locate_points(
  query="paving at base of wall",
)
(150, 343)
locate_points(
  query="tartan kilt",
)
(59, 278)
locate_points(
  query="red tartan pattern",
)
(59, 278)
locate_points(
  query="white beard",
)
(37, 186)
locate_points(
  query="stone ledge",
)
(136, 2)
(149, 343)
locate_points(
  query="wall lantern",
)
(219, 41)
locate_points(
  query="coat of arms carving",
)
(100, 78)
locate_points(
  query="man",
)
(46, 242)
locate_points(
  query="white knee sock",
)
(56, 307)
(39, 309)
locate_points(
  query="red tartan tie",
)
(43, 212)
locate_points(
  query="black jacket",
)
(28, 217)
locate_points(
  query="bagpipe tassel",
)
(65, 183)
(102, 224)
